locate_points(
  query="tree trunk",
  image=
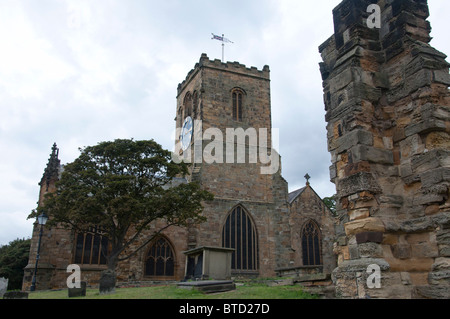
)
(108, 277)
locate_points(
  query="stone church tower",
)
(223, 121)
(250, 211)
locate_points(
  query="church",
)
(270, 231)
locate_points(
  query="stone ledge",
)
(312, 277)
(359, 265)
(208, 286)
(432, 292)
(15, 295)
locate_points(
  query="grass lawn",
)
(246, 291)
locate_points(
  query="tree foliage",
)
(13, 258)
(122, 187)
(330, 202)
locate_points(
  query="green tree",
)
(330, 202)
(13, 258)
(123, 187)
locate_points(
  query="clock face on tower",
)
(186, 133)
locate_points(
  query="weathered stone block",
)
(425, 126)
(401, 251)
(414, 225)
(410, 264)
(435, 176)
(391, 200)
(359, 182)
(341, 80)
(359, 213)
(438, 140)
(370, 250)
(353, 138)
(441, 277)
(437, 111)
(432, 292)
(412, 145)
(372, 154)
(340, 110)
(370, 224)
(369, 237)
(430, 160)
(351, 267)
(443, 241)
(441, 76)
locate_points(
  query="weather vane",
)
(223, 40)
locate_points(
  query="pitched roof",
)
(293, 195)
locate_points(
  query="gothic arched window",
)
(311, 244)
(239, 232)
(91, 248)
(188, 105)
(237, 96)
(195, 110)
(160, 261)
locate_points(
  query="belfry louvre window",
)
(91, 248)
(239, 232)
(237, 97)
(160, 259)
(311, 244)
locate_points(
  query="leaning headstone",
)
(107, 282)
(78, 292)
(3, 286)
(16, 295)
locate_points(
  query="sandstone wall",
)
(387, 102)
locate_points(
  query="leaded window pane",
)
(239, 233)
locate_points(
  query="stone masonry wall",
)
(388, 109)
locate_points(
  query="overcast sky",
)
(81, 72)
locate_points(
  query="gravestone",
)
(198, 269)
(3, 286)
(107, 282)
(78, 292)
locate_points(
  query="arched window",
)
(195, 110)
(91, 248)
(160, 261)
(187, 105)
(311, 244)
(237, 96)
(239, 232)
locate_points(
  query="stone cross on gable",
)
(307, 178)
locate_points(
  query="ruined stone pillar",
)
(388, 108)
